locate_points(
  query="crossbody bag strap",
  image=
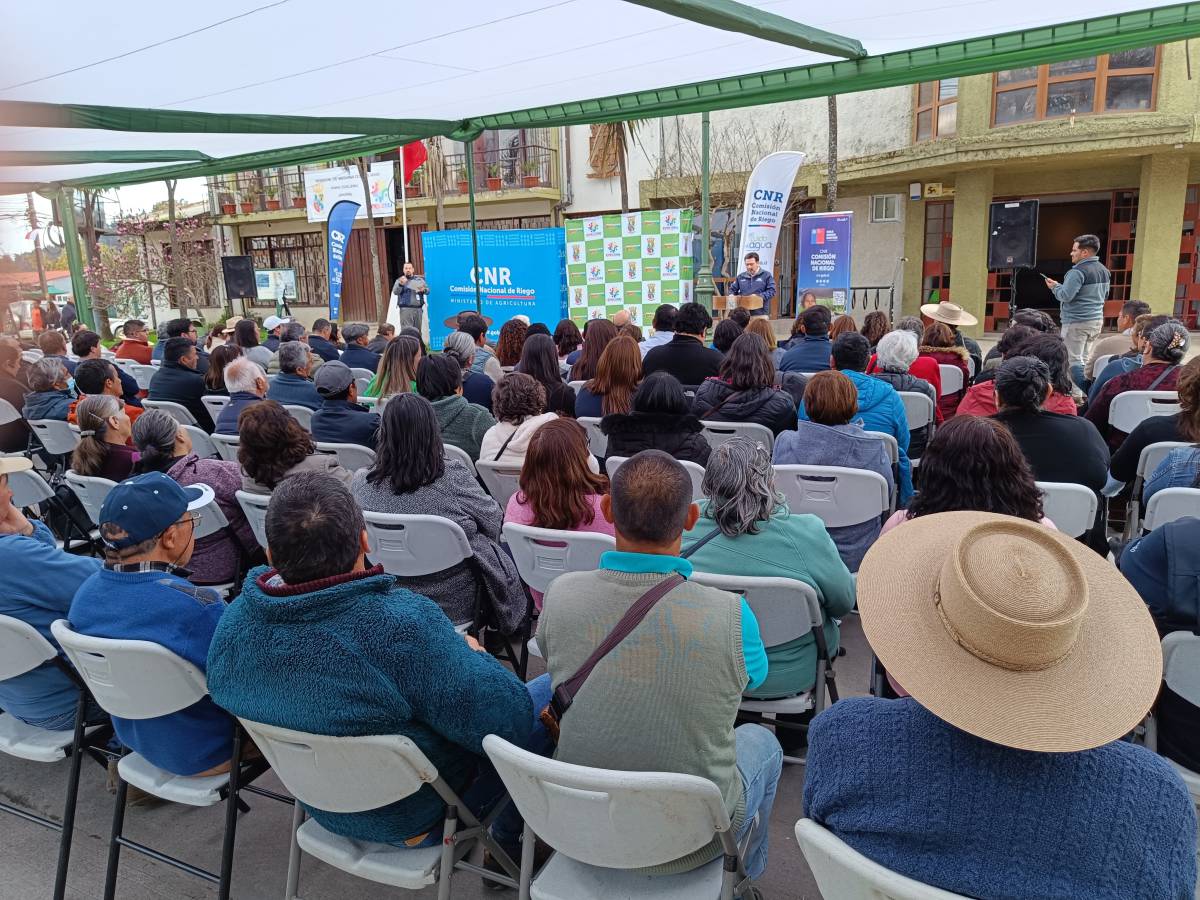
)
(700, 543)
(717, 408)
(1159, 380)
(504, 446)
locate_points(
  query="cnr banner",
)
(767, 194)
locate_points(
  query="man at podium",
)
(755, 280)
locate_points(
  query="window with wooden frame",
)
(1118, 82)
(937, 109)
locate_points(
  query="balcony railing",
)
(260, 191)
(506, 169)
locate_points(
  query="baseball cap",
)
(333, 378)
(147, 505)
(270, 323)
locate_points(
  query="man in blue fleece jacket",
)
(325, 643)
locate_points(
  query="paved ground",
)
(28, 852)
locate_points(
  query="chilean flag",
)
(412, 156)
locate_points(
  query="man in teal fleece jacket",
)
(325, 643)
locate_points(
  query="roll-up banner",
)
(767, 194)
(341, 220)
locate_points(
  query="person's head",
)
(398, 366)
(617, 375)
(1189, 401)
(322, 328)
(293, 359)
(741, 316)
(135, 330)
(1013, 337)
(98, 376)
(409, 270)
(409, 452)
(474, 325)
(664, 317)
(1084, 247)
(693, 319)
(52, 343)
(808, 300)
(841, 325)
(974, 463)
(621, 318)
(876, 324)
(596, 336)
(761, 326)
(270, 441)
(726, 332)
(650, 503)
(739, 482)
(151, 518)
(180, 328)
(415, 334)
(246, 377)
(180, 351)
(815, 321)
(460, 346)
(439, 376)
(386, 331)
(752, 263)
(539, 358)
(356, 333)
(938, 336)
(160, 440)
(896, 351)
(747, 366)
(1167, 342)
(47, 374)
(518, 397)
(10, 358)
(291, 331)
(556, 481)
(86, 344)
(335, 382)
(1022, 383)
(274, 325)
(830, 398)
(1130, 310)
(1051, 350)
(102, 421)
(567, 338)
(510, 342)
(315, 529)
(633, 330)
(913, 324)
(214, 378)
(1142, 325)
(660, 393)
(1033, 318)
(537, 328)
(850, 352)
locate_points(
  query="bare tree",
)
(364, 171)
(91, 246)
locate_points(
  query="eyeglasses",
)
(192, 518)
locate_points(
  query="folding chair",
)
(213, 520)
(143, 374)
(8, 413)
(301, 414)
(226, 445)
(202, 444)
(607, 824)
(501, 479)
(597, 439)
(255, 508)
(30, 490)
(952, 379)
(91, 492)
(576, 386)
(144, 680)
(23, 649)
(55, 435)
(718, 433)
(362, 378)
(177, 411)
(542, 554)
(1148, 460)
(893, 452)
(214, 403)
(1170, 504)
(695, 472)
(449, 451)
(1101, 362)
(920, 411)
(839, 496)
(355, 774)
(844, 873)
(786, 609)
(1130, 408)
(1181, 673)
(1071, 507)
(31, 356)
(351, 457)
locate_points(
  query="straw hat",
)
(950, 313)
(231, 324)
(1010, 631)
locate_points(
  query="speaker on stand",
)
(1012, 239)
(239, 279)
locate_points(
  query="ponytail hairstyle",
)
(1022, 383)
(92, 413)
(154, 436)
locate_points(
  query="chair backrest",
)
(22, 648)
(414, 546)
(785, 608)
(8, 412)
(451, 452)
(226, 445)
(362, 383)
(890, 442)
(542, 554)
(360, 372)
(501, 479)
(1132, 407)
(343, 774)
(1101, 362)
(131, 679)
(971, 366)
(1181, 665)
(301, 414)
(56, 435)
(717, 433)
(28, 488)
(351, 457)
(255, 508)
(202, 444)
(844, 873)
(212, 520)
(695, 472)
(1153, 454)
(839, 496)
(1170, 504)
(952, 379)
(576, 386)
(91, 492)
(214, 403)
(177, 411)
(1071, 507)
(603, 817)
(918, 409)
(31, 356)
(142, 374)
(597, 439)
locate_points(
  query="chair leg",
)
(68, 823)
(114, 845)
(293, 876)
(231, 812)
(446, 867)
(528, 846)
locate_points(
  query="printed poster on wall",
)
(634, 261)
(325, 187)
(823, 266)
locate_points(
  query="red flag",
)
(411, 157)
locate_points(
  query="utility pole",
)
(37, 248)
(705, 288)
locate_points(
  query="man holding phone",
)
(1081, 299)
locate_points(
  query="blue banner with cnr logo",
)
(341, 220)
(823, 266)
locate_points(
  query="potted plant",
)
(272, 195)
(463, 184)
(532, 170)
(249, 198)
(493, 177)
(228, 204)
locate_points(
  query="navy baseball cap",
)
(147, 505)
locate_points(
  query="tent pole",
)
(470, 145)
(705, 288)
(79, 292)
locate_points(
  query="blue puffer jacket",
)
(46, 405)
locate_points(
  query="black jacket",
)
(1149, 431)
(178, 383)
(680, 436)
(323, 348)
(686, 358)
(359, 357)
(771, 407)
(343, 422)
(560, 398)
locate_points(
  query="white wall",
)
(876, 249)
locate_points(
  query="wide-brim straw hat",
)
(231, 325)
(1010, 631)
(950, 313)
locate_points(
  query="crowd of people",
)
(974, 603)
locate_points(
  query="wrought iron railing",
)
(258, 191)
(522, 167)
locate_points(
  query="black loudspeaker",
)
(1012, 235)
(239, 277)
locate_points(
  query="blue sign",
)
(341, 220)
(823, 266)
(521, 272)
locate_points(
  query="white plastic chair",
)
(542, 554)
(501, 479)
(142, 373)
(355, 774)
(91, 492)
(449, 451)
(839, 496)
(970, 366)
(30, 490)
(843, 873)
(255, 508)
(1101, 362)
(1148, 460)
(177, 411)
(952, 379)
(1130, 408)
(576, 386)
(214, 403)
(412, 546)
(8, 412)
(717, 433)
(1181, 673)
(606, 824)
(1170, 504)
(695, 472)
(893, 452)
(597, 439)
(1071, 507)
(202, 444)
(56, 436)
(301, 414)
(360, 372)
(31, 356)
(226, 445)
(920, 411)
(351, 457)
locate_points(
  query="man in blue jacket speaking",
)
(755, 280)
(1081, 298)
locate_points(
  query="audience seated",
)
(597, 333)
(953, 317)
(103, 450)
(1130, 359)
(744, 389)
(617, 377)
(295, 332)
(726, 332)
(875, 325)
(567, 340)
(247, 384)
(559, 487)
(411, 476)
(809, 350)
(510, 341)
(178, 381)
(1026, 659)
(614, 721)
(99, 376)
(1182, 426)
(539, 360)
(660, 419)
(476, 327)
(841, 325)
(135, 342)
(829, 434)
(520, 406)
(462, 424)
(39, 582)
(165, 446)
(937, 344)
(1012, 338)
(894, 355)
(1163, 349)
(761, 326)
(383, 336)
(14, 436)
(319, 340)
(273, 446)
(48, 396)
(476, 387)
(922, 367)
(142, 594)
(54, 346)
(1181, 468)
(341, 418)
(86, 345)
(218, 359)
(292, 386)
(397, 372)
(685, 356)
(664, 328)
(980, 398)
(1116, 344)
(356, 355)
(180, 328)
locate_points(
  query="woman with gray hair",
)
(745, 529)
(48, 397)
(103, 437)
(894, 356)
(922, 367)
(477, 387)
